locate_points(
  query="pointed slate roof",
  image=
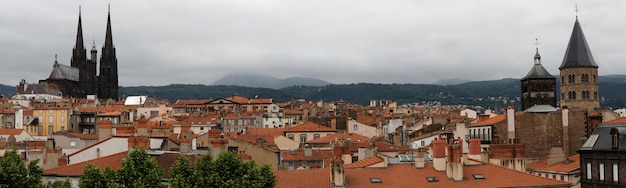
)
(538, 71)
(63, 72)
(578, 53)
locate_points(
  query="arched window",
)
(571, 78)
(584, 78)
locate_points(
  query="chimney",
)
(337, 171)
(418, 157)
(556, 155)
(308, 151)
(439, 154)
(62, 161)
(217, 145)
(104, 129)
(565, 117)
(510, 121)
(138, 141)
(454, 168)
(474, 149)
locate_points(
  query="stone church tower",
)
(107, 80)
(579, 74)
(538, 86)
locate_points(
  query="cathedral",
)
(80, 79)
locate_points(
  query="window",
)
(40, 130)
(72, 143)
(50, 129)
(290, 136)
(571, 78)
(615, 138)
(50, 119)
(302, 138)
(62, 128)
(376, 180)
(355, 127)
(478, 176)
(423, 143)
(584, 78)
(432, 179)
(553, 176)
(615, 173)
(62, 118)
(562, 178)
(601, 169)
(316, 136)
(50, 111)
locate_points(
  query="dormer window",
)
(614, 138)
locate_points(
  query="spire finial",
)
(537, 44)
(576, 10)
(55, 59)
(79, 9)
(537, 56)
(109, 9)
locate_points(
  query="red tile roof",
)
(11, 131)
(192, 102)
(491, 121)
(238, 99)
(298, 155)
(616, 121)
(365, 162)
(293, 112)
(542, 165)
(354, 138)
(405, 175)
(84, 136)
(113, 161)
(310, 127)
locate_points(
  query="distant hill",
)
(452, 81)
(494, 94)
(263, 81)
(6, 90)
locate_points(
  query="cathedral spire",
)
(108, 41)
(79, 32)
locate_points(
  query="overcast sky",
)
(161, 42)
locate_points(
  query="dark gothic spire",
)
(79, 33)
(578, 53)
(108, 41)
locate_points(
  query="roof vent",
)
(479, 176)
(376, 180)
(432, 179)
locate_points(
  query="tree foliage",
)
(14, 172)
(60, 184)
(138, 170)
(225, 171)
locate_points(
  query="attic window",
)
(432, 179)
(567, 161)
(614, 138)
(376, 180)
(479, 176)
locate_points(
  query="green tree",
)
(225, 171)
(60, 184)
(92, 178)
(14, 173)
(182, 173)
(138, 170)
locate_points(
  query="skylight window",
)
(478, 176)
(432, 179)
(591, 141)
(376, 180)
